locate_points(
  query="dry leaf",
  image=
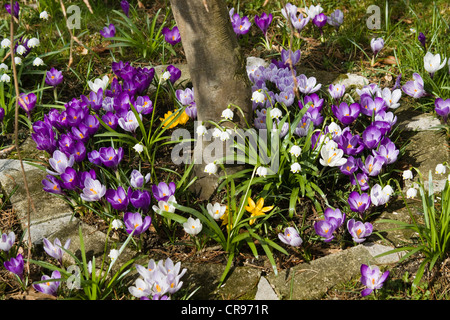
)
(389, 60)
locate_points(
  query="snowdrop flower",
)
(295, 150)
(432, 63)
(6, 43)
(43, 15)
(258, 97)
(227, 114)
(33, 43)
(216, 132)
(388, 191)
(201, 130)
(216, 211)
(411, 193)
(295, 167)
(192, 226)
(211, 168)
(275, 113)
(3, 66)
(261, 171)
(116, 224)
(113, 254)
(138, 148)
(391, 97)
(38, 62)
(5, 78)
(440, 169)
(18, 61)
(225, 135)
(20, 49)
(99, 83)
(407, 174)
(165, 76)
(332, 158)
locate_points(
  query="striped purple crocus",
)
(372, 278)
(134, 221)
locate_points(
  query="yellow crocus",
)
(257, 209)
(168, 117)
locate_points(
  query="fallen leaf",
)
(389, 60)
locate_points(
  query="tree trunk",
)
(217, 68)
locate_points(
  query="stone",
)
(265, 291)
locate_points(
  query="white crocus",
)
(334, 129)
(440, 169)
(192, 226)
(38, 62)
(258, 96)
(21, 49)
(99, 83)
(295, 150)
(313, 11)
(211, 168)
(391, 98)
(295, 167)
(6, 43)
(411, 193)
(227, 114)
(5, 78)
(407, 174)
(261, 171)
(43, 15)
(377, 196)
(432, 63)
(33, 43)
(216, 210)
(165, 205)
(332, 157)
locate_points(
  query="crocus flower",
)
(165, 205)
(389, 151)
(370, 106)
(345, 113)
(336, 18)
(432, 63)
(442, 108)
(391, 97)
(110, 157)
(125, 7)
(263, 22)
(336, 214)
(307, 85)
(336, 91)
(163, 191)
(7, 241)
(52, 185)
(377, 196)
(137, 180)
(140, 199)
(15, 265)
(53, 77)
(372, 136)
(59, 162)
(350, 166)
(313, 11)
(414, 88)
(325, 229)
(241, 25)
(110, 119)
(109, 31)
(2, 114)
(117, 198)
(70, 179)
(372, 278)
(49, 287)
(372, 165)
(134, 221)
(192, 226)
(174, 72)
(15, 10)
(376, 44)
(257, 209)
(93, 190)
(361, 179)
(359, 202)
(320, 20)
(171, 36)
(54, 249)
(332, 157)
(27, 101)
(290, 237)
(99, 83)
(289, 56)
(422, 39)
(358, 230)
(216, 210)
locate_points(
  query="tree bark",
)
(217, 68)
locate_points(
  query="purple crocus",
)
(388, 151)
(110, 157)
(359, 230)
(372, 165)
(372, 278)
(93, 189)
(53, 77)
(125, 7)
(345, 113)
(137, 180)
(171, 36)
(70, 179)
(55, 249)
(110, 119)
(140, 199)
(370, 106)
(422, 39)
(337, 214)
(15, 10)
(117, 198)
(52, 185)
(350, 166)
(414, 88)
(2, 114)
(163, 191)
(320, 21)
(359, 202)
(241, 25)
(442, 108)
(263, 22)
(289, 56)
(361, 179)
(49, 287)
(109, 31)
(175, 73)
(325, 229)
(336, 18)
(59, 162)
(372, 136)
(376, 44)
(134, 221)
(314, 99)
(27, 102)
(7, 241)
(15, 265)
(307, 85)
(336, 91)
(290, 237)
(78, 152)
